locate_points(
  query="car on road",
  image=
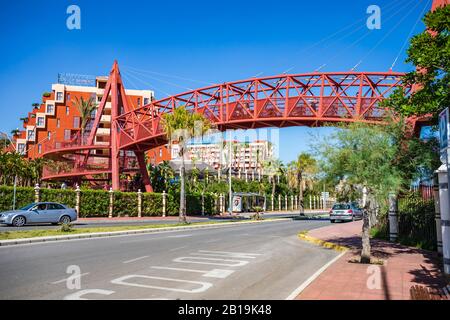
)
(345, 212)
(39, 212)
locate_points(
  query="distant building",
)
(246, 156)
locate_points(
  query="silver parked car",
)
(39, 212)
(345, 212)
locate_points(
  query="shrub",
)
(66, 227)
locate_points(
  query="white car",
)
(345, 212)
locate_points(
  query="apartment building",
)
(57, 118)
(245, 156)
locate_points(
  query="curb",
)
(127, 232)
(322, 243)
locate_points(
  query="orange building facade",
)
(57, 118)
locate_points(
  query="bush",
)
(24, 196)
(95, 203)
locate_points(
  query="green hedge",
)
(95, 203)
(24, 196)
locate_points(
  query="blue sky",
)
(205, 41)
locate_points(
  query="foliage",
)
(28, 171)
(430, 53)
(85, 108)
(95, 203)
(66, 227)
(416, 222)
(180, 126)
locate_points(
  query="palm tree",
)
(273, 168)
(305, 166)
(180, 126)
(85, 108)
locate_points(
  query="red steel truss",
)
(309, 99)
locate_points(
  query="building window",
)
(68, 97)
(40, 122)
(160, 152)
(76, 122)
(146, 101)
(21, 148)
(49, 135)
(66, 134)
(39, 148)
(58, 123)
(31, 135)
(67, 110)
(59, 96)
(50, 108)
(139, 102)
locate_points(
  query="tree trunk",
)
(182, 217)
(365, 237)
(273, 186)
(300, 196)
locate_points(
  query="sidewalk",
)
(403, 267)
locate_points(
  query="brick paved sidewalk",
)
(403, 267)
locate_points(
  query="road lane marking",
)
(222, 255)
(180, 236)
(244, 255)
(214, 273)
(179, 248)
(136, 259)
(308, 281)
(212, 261)
(203, 286)
(214, 240)
(71, 277)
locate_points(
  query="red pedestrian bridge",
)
(306, 99)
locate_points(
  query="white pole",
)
(445, 216)
(437, 211)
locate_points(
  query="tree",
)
(365, 156)
(85, 108)
(429, 51)
(273, 168)
(180, 126)
(305, 166)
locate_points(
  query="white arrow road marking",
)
(214, 273)
(71, 277)
(136, 259)
(78, 295)
(213, 261)
(203, 285)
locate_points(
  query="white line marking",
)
(234, 263)
(308, 281)
(218, 273)
(78, 295)
(180, 236)
(179, 248)
(71, 277)
(214, 273)
(136, 259)
(214, 240)
(229, 252)
(223, 255)
(203, 285)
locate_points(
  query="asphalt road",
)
(255, 261)
(102, 223)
